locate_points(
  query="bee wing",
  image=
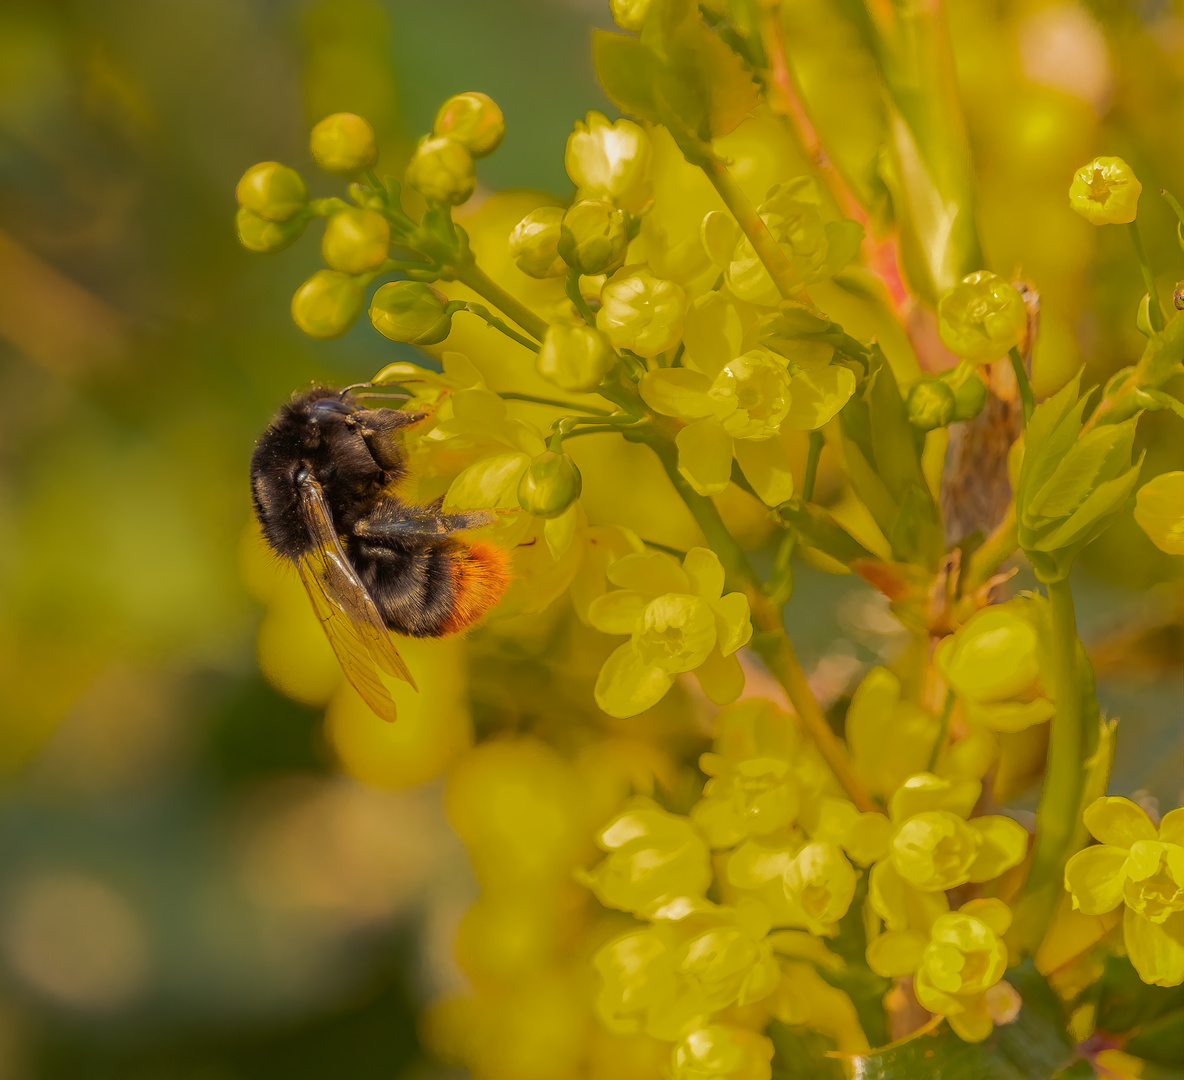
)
(355, 629)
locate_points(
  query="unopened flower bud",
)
(642, 312)
(992, 656)
(981, 317)
(931, 404)
(258, 234)
(344, 143)
(1105, 192)
(328, 304)
(411, 311)
(722, 1052)
(609, 160)
(970, 398)
(593, 237)
(575, 356)
(273, 191)
(442, 171)
(550, 485)
(356, 240)
(629, 14)
(473, 120)
(534, 243)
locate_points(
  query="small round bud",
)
(273, 191)
(258, 234)
(550, 485)
(411, 311)
(969, 398)
(629, 14)
(344, 143)
(534, 243)
(931, 404)
(328, 304)
(575, 356)
(1105, 192)
(981, 317)
(356, 240)
(641, 312)
(593, 237)
(473, 120)
(442, 171)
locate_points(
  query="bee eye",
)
(331, 405)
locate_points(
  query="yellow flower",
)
(609, 161)
(1159, 510)
(1143, 869)
(819, 884)
(1105, 192)
(652, 857)
(641, 312)
(753, 797)
(722, 1052)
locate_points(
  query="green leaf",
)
(1163, 354)
(1049, 435)
(1092, 457)
(626, 69)
(843, 239)
(1033, 1047)
(1087, 521)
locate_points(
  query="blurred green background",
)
(187, 886)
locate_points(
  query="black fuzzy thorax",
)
(330, 448)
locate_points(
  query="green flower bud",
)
(629, 14)
(1105, 192)
(356, 240)
(273, 191)
(442, 171)
(981, 317)
(534, 243)
(550, 485)
(473, 120)
(344, 143)
(328, 304)
(593, 237)
(411, 311)
(575, 356)
(969, 398)
(931, 404)
(258, 234)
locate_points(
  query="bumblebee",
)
(324, 481)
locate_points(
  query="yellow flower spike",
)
(722, 1052)
(653, 855)
(641, 312)
(819, 884)
(992, 656)
(1105, 191)
(964, 958)
(609, 160)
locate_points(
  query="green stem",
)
(1155, 311)
(771, 640)
(816, 441)
(375, 183)
(483, 312)
(572, 287)
(481, 283)
(511, 396)
(1027, 398)
(942, 731)
(991, 553)
(762, 240)
(1060, 800)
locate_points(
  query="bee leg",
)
(391, 521)
(379, 427)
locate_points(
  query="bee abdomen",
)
(434, 590)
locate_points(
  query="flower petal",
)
(705, 571)
(626, 686)
(721, 677)
(677, 392)
(616, 612)
(765, 465)
(1171, 828)
(1094, 877)
(733, 622)
(649, 574)
(705, 455)
(817, 395)
(896, 953)
(1118, 821)
(1156, 950)
(1004, 845)
(492, 481)
(990, 910)
(974, 1023)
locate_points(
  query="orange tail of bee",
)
(482, 572)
